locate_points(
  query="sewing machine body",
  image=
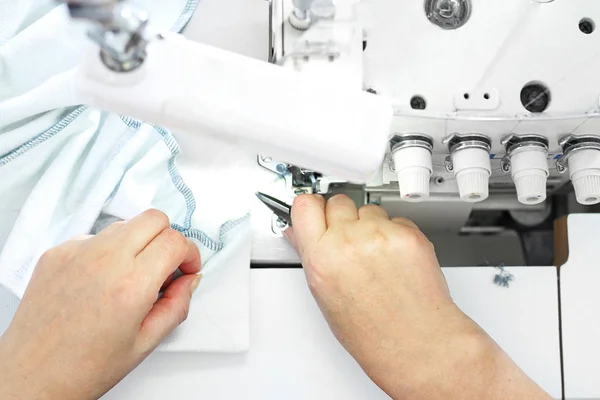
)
(471, 80)
(448, 83)
(485, 98)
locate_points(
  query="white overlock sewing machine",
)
(479, 120)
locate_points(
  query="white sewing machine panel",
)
(487, 96)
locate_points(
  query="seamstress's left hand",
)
(90, 313)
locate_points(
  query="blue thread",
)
(185, 16)
(130, 122)
(180, 185)
(176, 178)
(206, 241)
(190, 201)
(42, 137)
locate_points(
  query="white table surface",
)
(580, 303)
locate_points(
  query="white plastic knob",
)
(587, 187)
(529, 170)
(301, 22)
(584, 167)
(413, 166)
(472, 168)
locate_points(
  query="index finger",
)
(166, 253)
(137, 233)
(308, 218)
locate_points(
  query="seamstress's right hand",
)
(380, 287)
(90, 313)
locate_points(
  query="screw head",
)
(448, 14)
(448, 164)
(391, 164)
(281, 224)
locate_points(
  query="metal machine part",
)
(281, 210)
(448, 14)
(118, 29)
(96, 10)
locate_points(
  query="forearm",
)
(11, 383)
(14, 388)
(457, 363)
(24, 375)
(17, 379)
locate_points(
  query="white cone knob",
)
(472, 169)
(531, 187)
(301, 24)
(414, 184)
(473, 184)
(584, 167)
(413, 166)
(587, 187)
(529, 170)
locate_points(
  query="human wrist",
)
(22, 377)
(447, 354)
(10, 384)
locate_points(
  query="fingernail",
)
(195, 283)
(289, 235)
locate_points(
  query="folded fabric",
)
(66, 170)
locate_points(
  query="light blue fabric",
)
(61, 168)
